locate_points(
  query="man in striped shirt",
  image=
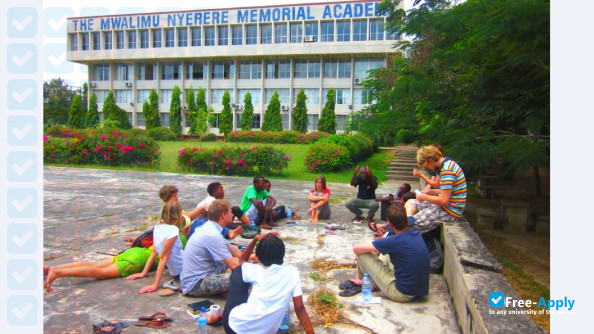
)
(436, 206)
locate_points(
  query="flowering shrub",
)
(262, 160)
(325, 157)
(282, 137)
(162, 133)
(111, 148)
(360, 146)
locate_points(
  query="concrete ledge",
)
(471, 273)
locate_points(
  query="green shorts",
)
(133, 260)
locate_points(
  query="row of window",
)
(249, 34)
(272, 69)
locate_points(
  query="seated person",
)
(433, 182)
(319, 201)
(408, 254)
(208, 255)
(253, 206)
(367, 184)
(272, 286)
(389, 199)
(382, 229)
(278, 212)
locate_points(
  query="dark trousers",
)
(237, 295)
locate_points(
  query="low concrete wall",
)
(471, 273)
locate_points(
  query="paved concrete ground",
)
(87, 211)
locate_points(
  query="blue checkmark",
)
(21, 22)
(21, 202)
(22, 94)
(21, 274)
(496, 299)
(55, 59)
(21, 310)
(22, 166)
(21, 238)
(22, 58)
(55, 21)
(21, 130)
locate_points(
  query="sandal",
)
(156, 316)
(372, 226)
(157, 323)
(109, 326)
(357, 218)
(166, 292)
(350, 292)
(346, 285)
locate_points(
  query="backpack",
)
(144, 240)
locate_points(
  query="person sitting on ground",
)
(437, 206)
(433, 182)
(319, 199)
(389, 199)
(278, 212)
(367, 184)
(272, 284)
(254, 208)
(408, 253)
(168, 245)
(208, 255)
(382, 229)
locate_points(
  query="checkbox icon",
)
(21, 311)
(22, 94)
(21, 274)
(22, 58)
(55, 59)
(21, 238)
(21, 22)
(55, 21)
(22, 202)
(22, 166)
(21, 130)
(496, 299)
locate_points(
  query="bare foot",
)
(355, 281)
(212, 318)
(311, 219)
(234, 233)
(266, 226)
(309, 211)
(51, 276)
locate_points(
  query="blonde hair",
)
(426, 153)
(217, 208)
(171, 214)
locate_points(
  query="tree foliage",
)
(84, 98)
(92, 115)
(247, 118)
(272, 117)
(327, 122)
(75, 115)
(113, 113)
(175, 117)
(201, 99)
(300, 119)
(151, 115)
(192, 110)
(225, 118)
(57, 98)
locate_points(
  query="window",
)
(182, 37)
(171, 71)
(362, 65)
(123, 95)
(313, 122)
(311, 29)
(251, 34)
(142, 95)
(362, 96)
(283, 95)
(216, 125)
(328, 31)
(313, 95)
(340, 120)
(165, 96)
(296, 32)
(132, 39)
(256, 122)
(223, 69)
(101, 72)
(250, 69)
(123, 72)
(280, 33)
(255, 93)
(169, 38)
(307, 68)
(278, 69)
(343, 31)
(337, 68)
(209, 38)
(237, 35)
(223, 35)
(216, 96)
(238, 121)
(73, 42)
(391, 35)
(164, 119)
(146, 71)
(360, 30)
(196, 36)
(85, 41)
(96, 41)
(266, 34)
(120, 40)
(196, 71)
(140, 119)
(144, 39)
(157, 38)
(285, 121)
(376, 29)
(341, 96)
(107, 38)
(101, 95)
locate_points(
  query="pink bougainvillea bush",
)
(282, 137)
(325, 157)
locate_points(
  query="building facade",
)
(259, 50)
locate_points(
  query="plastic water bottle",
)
(289, 216)
(202, 320)
(253, 222)
(286, 324)
(366, 288)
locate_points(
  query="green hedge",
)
(325, 157)
(281, 137)
(162, 133)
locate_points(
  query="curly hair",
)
(271, 250)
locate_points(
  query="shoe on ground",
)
(171, 285)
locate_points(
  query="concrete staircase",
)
(401, 167)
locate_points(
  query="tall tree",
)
(225, 118)
(247, 118)
(112, 112)
(272, 117)
(75, 115)
(84, 99)
(327, 122)
(152, 119)
(57, 98)
(201, 99)
(300, 119)
(192, 110)
(108, 106)
(92, 115)
(175, 117)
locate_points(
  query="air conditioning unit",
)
(308, 38)
(128, 84)
(285, 108)
(350, 106)
(233, 105)
(238, 107)
(186, 108)
(358, 81)
(93, 85)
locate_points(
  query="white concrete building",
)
(259, 50)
